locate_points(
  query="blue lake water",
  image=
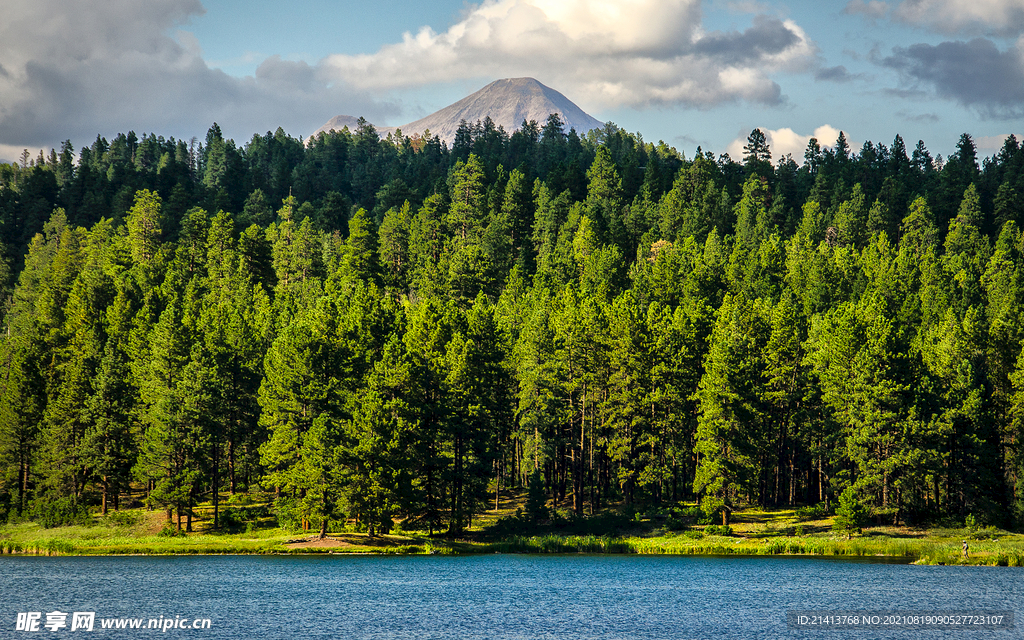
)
(492, 597)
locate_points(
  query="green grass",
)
(755, 533)
(921, 551)
(711, 545)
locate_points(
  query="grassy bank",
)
(146, 533)
(919, 551)
(30, 539)
(753, 533)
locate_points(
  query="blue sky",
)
(683, 71)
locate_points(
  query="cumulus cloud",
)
(974, 74)
(604, 54)
(75, 69)
(991, 144)
(996, 17)
(786, 141)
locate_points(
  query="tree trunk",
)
(577, 459)
(24, 487)
(231, 466)
(216, 487)
(455, 526)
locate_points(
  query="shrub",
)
(817, 512)
(712, 506)
(988, 533)
(287, 513)
(121, 519)
(507, 525)
(231, 519)
(61, 512)
(717, 530)
(674, 524)
(851, 515)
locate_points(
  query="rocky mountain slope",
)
(508, 102)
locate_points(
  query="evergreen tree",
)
(851, 515)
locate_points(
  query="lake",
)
(488, 597)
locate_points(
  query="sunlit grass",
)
(754, 533)
(1003, 552)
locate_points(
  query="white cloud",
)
(1001, 17)
(603, 53)
(786, 141)
(987, 145)
(952, 16)
(76, 69)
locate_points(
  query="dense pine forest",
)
(388, 330)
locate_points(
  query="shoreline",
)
(753, 533)
(880, 548)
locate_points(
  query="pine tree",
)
(730, 430)
(517, 210)
(604, 199)
(393, 247)
(851, 515)
(111, 439)
(145, 223)
(361, 248)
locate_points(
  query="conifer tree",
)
(145, 224)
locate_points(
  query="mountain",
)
(337, 123)
(508, 102)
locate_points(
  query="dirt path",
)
(315, 543)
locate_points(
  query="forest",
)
(382, 331)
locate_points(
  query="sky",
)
(687, 72)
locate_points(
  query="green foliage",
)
(418, 330)
(60, 512)
(816, 512)
(122, 519)
(235, 519)
(144, 226)
(169, 531)
(851, 515)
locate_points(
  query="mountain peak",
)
(508, 102)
